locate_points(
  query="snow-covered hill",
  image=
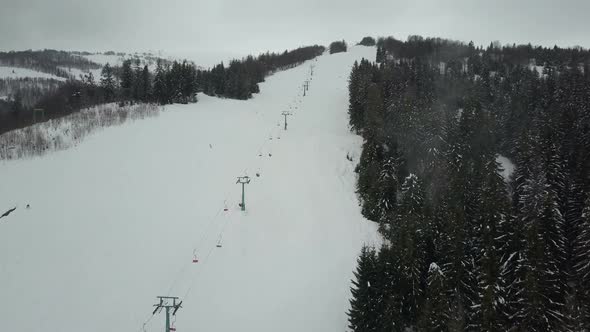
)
(17, 72)
(114, 221)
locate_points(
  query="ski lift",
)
(225, 206)
(218, 245)
(195, 259)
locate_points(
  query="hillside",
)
(114, 221)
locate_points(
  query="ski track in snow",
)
(114, 221)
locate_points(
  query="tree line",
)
(495, 55)
(169, 82)
(338, 46)
(239, 80)
(47, 61)
(464, 249)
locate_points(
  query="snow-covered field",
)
(17, 72)
(114, 221)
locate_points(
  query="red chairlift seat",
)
(195, 259)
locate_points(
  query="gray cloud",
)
(258, 25)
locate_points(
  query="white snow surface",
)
(114, 221)
(507, 165)
(17, 72)
(103, 59)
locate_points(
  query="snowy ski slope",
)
(114, 221)
(17, 72)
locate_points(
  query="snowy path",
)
(114, 221)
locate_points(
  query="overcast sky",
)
(245, 26)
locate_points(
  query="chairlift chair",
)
(195, 259)
(172, 323)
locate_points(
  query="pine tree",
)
(540, 304)
(17, 103)
(107, 82)
(582, 268)
(388, 186)
(389, 303)
(362, 316)
(189, 80)
(146, 84)
(359, 82)
(457, 244)
(434, 315)
(374, 115)
(137, 84)
(126, 79)
(409, 243)
(160, 89)
(353, 98)
(380, 54)
(368, 169)
(493, 215)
